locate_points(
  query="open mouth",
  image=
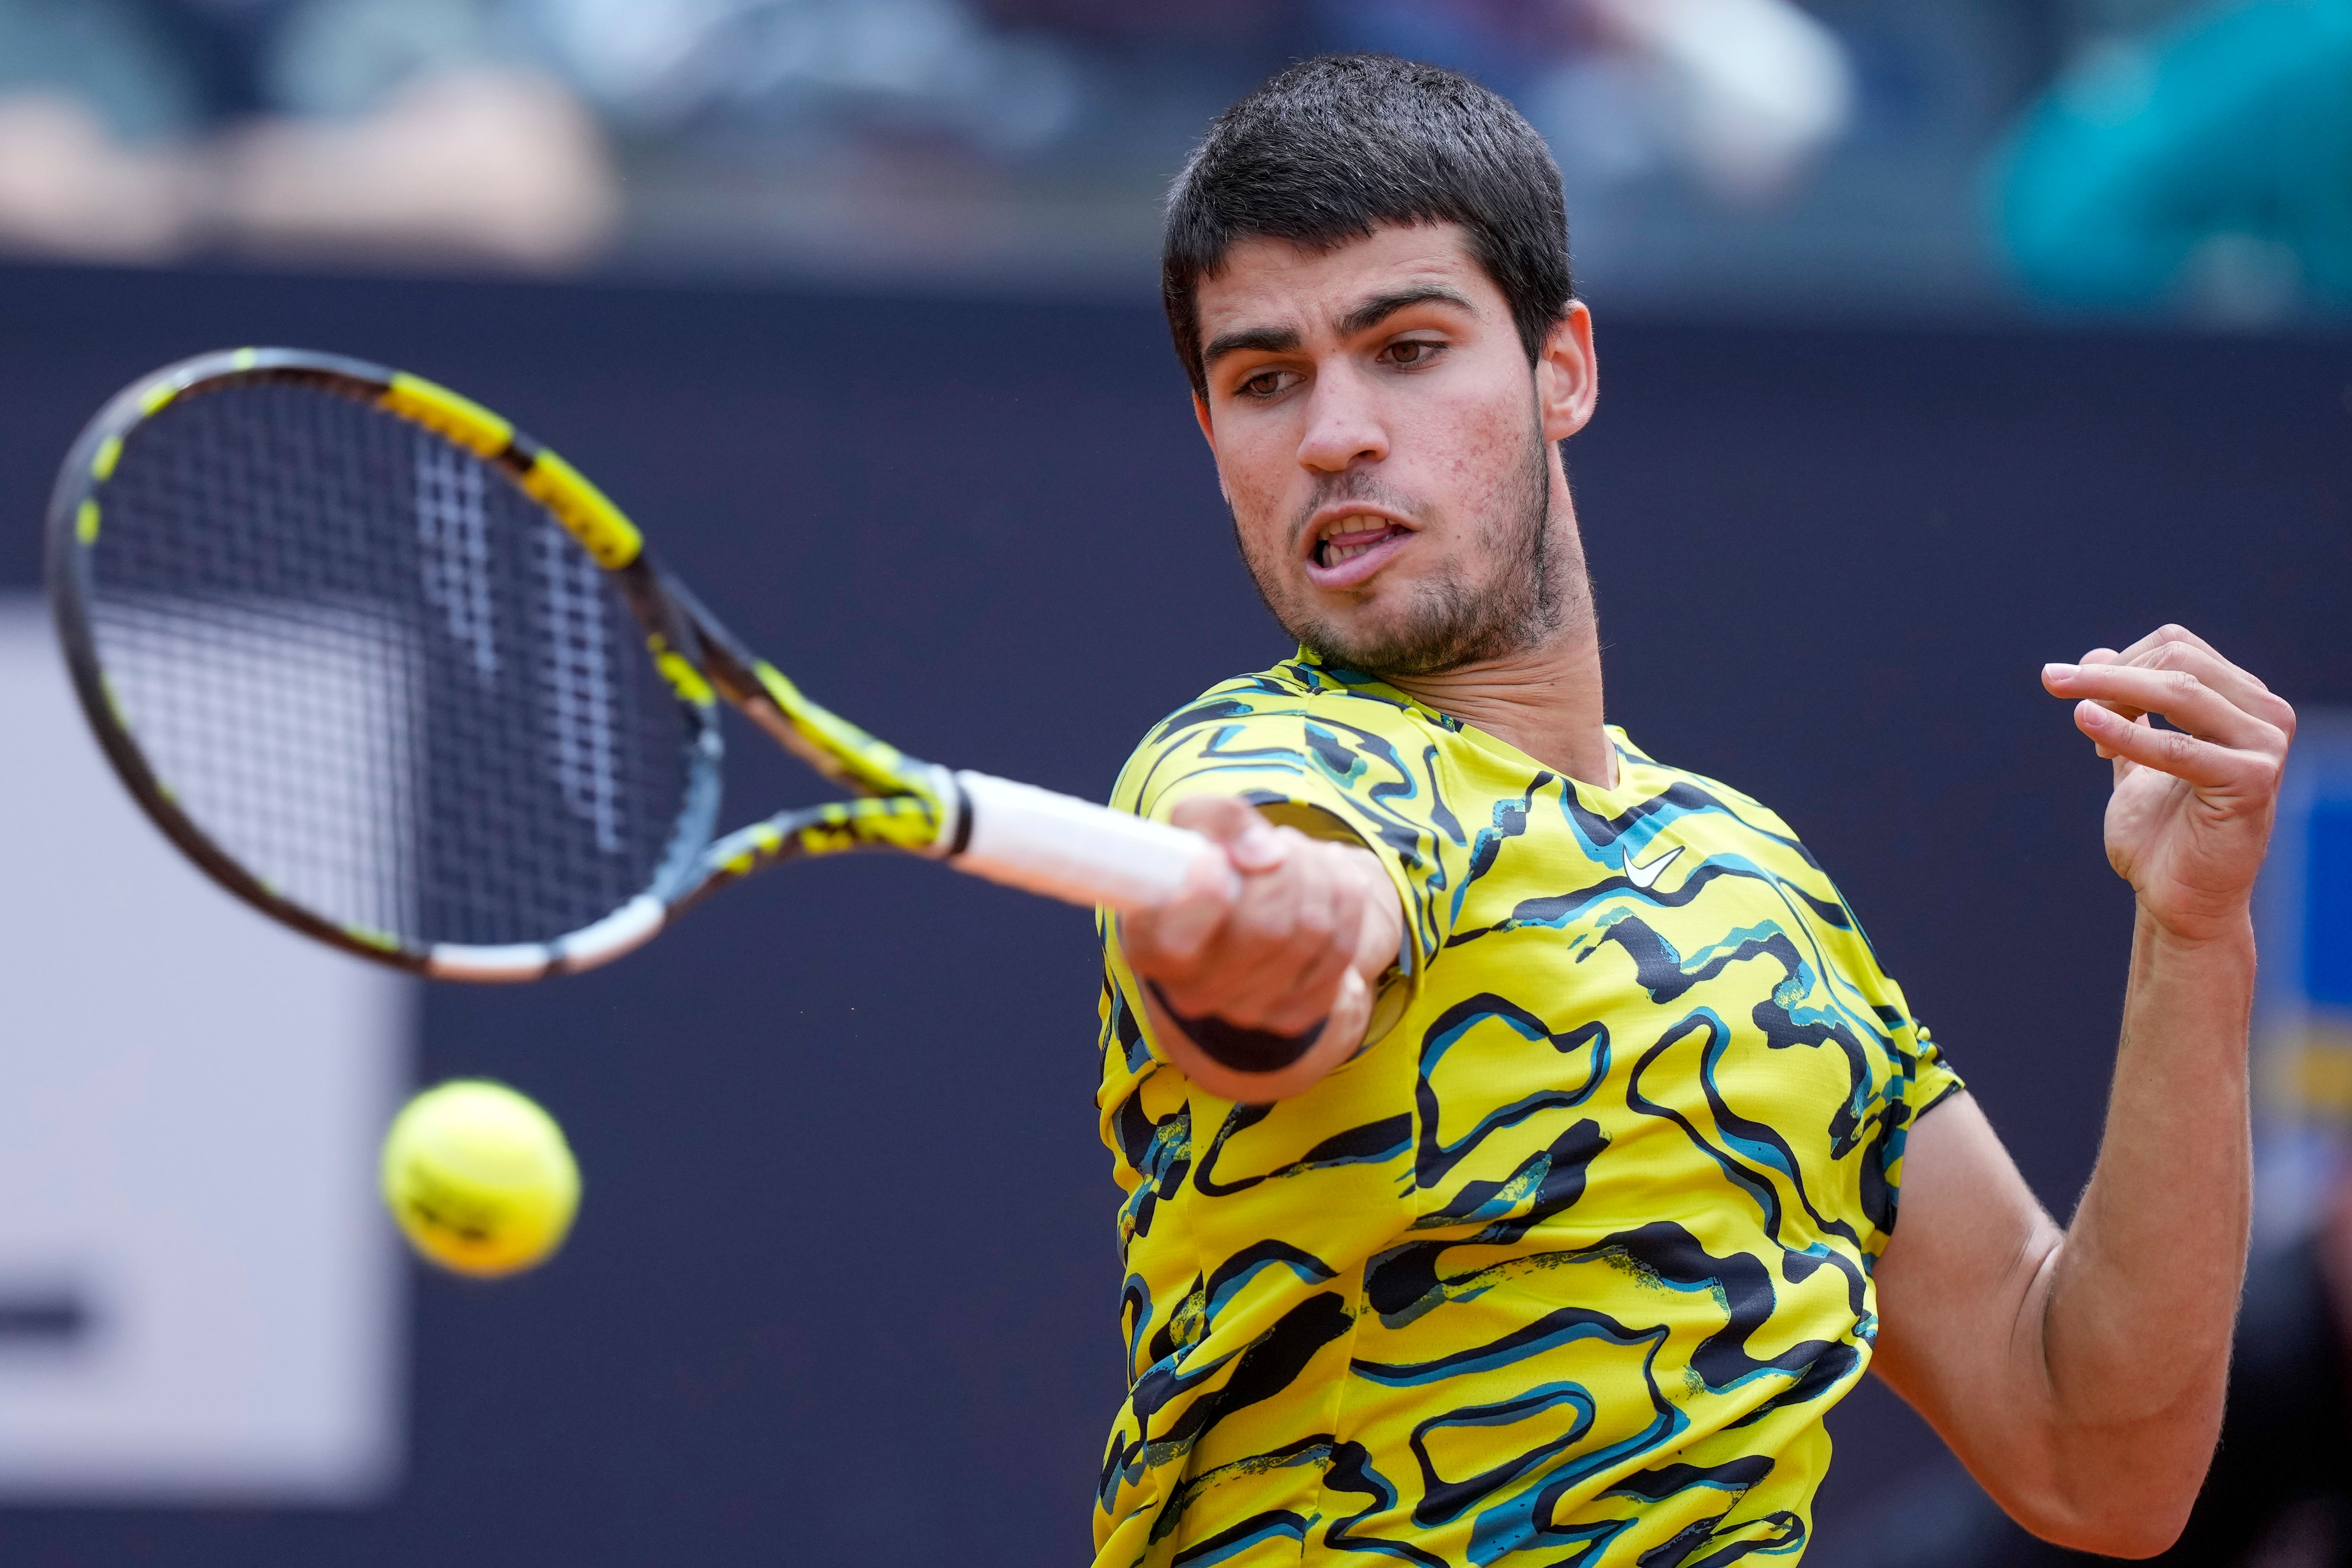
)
(1353, 537)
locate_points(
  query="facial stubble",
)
(1450, 622)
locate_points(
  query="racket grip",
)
(1072, 849)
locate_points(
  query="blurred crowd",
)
(2163, 155)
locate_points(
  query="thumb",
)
(1219, 817)
(1250, 841)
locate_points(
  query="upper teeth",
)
(1342, 541)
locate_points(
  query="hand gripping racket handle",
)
(1072, 849)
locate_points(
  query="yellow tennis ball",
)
(479, 1178)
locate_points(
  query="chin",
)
(1375, 651)
(1389, 625)
(1427, 633)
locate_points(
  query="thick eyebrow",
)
(1262, 339)
(1362, 319)
(1380, 306)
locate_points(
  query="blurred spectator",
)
(475, 163)
(1749, 90)
(918, 64)
(2208, 162)
(379, 127)
(89, 100)
(1738, 94)
(69, 187)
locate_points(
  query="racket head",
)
(379, 665)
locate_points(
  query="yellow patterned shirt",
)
(1567, 1263)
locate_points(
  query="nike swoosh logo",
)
(1642, 876)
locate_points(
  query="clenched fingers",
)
(1172, 934)
(1290, 937)
(1270, 964)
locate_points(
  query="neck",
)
(1546, 699)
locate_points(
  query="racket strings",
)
(376, 675)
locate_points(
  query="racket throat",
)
(778, 726)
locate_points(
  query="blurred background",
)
(2179, 158)
(1942, 340)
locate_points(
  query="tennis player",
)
(1514, 1129)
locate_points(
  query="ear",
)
(1568, 376)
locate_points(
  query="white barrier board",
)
(201, 1298)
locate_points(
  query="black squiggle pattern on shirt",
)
(1564, 1268)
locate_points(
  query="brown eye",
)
(1412, 351)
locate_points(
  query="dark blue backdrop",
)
(843, 1287)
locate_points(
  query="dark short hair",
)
(1337, 146)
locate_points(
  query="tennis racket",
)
(401, 678)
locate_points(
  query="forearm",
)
(2131, 1331)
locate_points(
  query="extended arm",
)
(2079, 1373)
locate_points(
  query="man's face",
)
(1386, 451)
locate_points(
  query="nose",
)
(1343, 427)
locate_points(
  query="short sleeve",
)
(1918, 1080)
(1933, 1078)
(1367, 778)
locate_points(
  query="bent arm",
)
(2079, 1373)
